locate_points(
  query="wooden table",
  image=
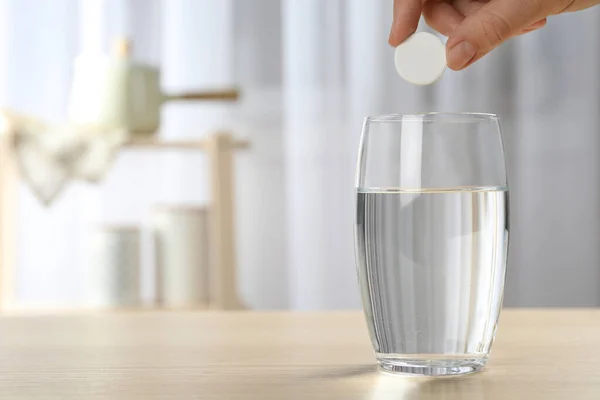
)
(538, 355)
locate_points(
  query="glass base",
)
(431, 367)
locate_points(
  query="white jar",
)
(181, 242)
(113, 267)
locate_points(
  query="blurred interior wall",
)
(310, 71)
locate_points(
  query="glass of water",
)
(431, 239)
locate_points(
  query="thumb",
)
(490, 26)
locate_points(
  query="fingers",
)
(406, 20)
(468, 7)
(491, 25)
(535, 26)
(442, 16)
(575, 5)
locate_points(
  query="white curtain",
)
(310, 70)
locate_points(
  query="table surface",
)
(539, 354)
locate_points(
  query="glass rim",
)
(430, 116)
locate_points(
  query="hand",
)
(475, 27)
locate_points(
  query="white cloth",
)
(51, 156)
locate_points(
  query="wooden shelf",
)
(219, 148)
(202, 145)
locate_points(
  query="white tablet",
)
(421, 59)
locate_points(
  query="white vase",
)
(181, 242)
(113, 267)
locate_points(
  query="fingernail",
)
(392, 31)
(460, 55)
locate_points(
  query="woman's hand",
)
(475, 27)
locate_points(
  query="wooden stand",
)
(219, 148)
(9, 179)
(223, 277)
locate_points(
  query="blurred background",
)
(308, 72)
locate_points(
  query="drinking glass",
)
(431, 237)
